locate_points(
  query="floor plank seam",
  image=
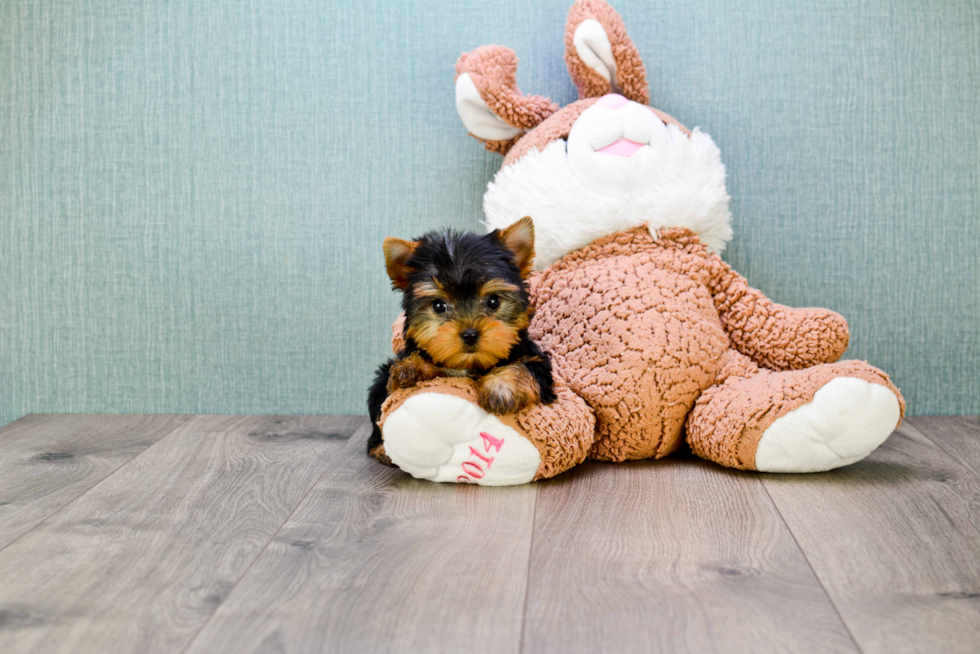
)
(527, 577)
(830, 599)
(951, 455)
(190, 643)
(104, 569)
(100, 482)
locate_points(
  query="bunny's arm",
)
(773, 335)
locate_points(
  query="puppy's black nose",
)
(470, 336)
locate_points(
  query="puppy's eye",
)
(439, 306)
(493, 302)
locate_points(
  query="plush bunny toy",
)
(653, 338)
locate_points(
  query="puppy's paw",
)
(402, 374)
(409, 372)
(500, 401)
(507, 390)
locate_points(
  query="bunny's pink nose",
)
(613, 101)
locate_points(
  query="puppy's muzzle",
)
(470, 336)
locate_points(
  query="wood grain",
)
(957, 436)
(48, 461)
(672, 555)
(375, 561)
(895, 540)
(139, 563)
(217, 537)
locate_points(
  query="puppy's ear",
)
(519, 239)
(397, 254)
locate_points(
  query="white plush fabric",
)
(576, 195)
(476, 115)
(845, 421)
(594, 49)
(433, 436)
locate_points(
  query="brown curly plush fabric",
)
(593, 304)
(775, 336)
(593, 308)
(731, 416)
(649, 335)
(493, 70)
(562, 431)
(631, 76)
(557, 126)
(398, 334)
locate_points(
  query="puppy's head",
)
(465, 300)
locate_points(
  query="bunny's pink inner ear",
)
(488, 101)
(600, 56)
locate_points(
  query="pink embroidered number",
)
(475, 470)
(477, 454)
(489, 441)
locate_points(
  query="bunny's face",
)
(617, 146)
(603, 164)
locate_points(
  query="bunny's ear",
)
(488, 101)
(599, 54)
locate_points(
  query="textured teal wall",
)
(193, 194)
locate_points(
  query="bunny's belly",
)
(638, 343)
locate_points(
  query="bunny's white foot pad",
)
(843, 423)
(447, 438)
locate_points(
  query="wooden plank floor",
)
(213, 534)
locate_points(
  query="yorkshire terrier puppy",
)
(466, 315)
